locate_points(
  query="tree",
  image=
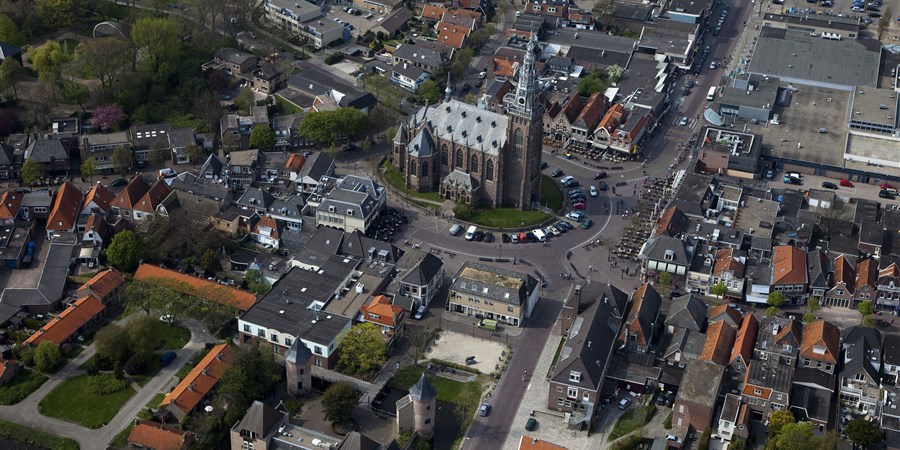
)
(614, 73)
(351, 122)
(797, 436)
(121, 158)
(429, 92)
(363, 350)
(147, 296)
(245, 100)
(11, 72)
(194, 153)
(884, 22)
(107, 117)
(250, 377)
(47, 356)
(664, 279)
(868, 321)
(862, 432)
(778, 419)
(481, 36)
(58, 13)
(105, 58)
(48, 59)
(809, 318)
(209, 261)
(143, 338)
(112, 342)
(157, 41)
(9, 32)
(719, 289)
(813, 305)
(460, 63)
(125, 251)
(775, 299)
(30, 172)
(417, 340)
(772, 312)
(88, 170)
(591, 84)
(866, 308)
(262, 137)
(339, 400)
(463, 211)
(209, 109)
(256, 283)
(330, 127)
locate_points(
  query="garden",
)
(632, 420)
(22, 385)
(87, 400)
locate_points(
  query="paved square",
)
(455, 348)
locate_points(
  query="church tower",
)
(522, 161)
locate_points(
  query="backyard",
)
(75, 401)
(34, 437)
(24, 383)
(633, 419)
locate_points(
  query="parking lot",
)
(28, 277)
(455, 348)
(844, 8)
(358, 21)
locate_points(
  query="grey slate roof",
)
(7, 50)
(413, 52)
(659, 247)
(818, 268)
(181, 137)
(462, 179)
(777, 377)
(356, 193)
(422, 145)
(814, 378)
(606, 292)
(422, 273)
(689, 343)
(860, 354)
(298, 353)
(261, 419)
(234, 56)
(213, 165)
(6, 155)
(860, 334)
(423, 390)
(465, 125)
(688, 312)
(47, 150)
(589, 345)
(810, 403)
(479, 278)
(396, 20)
(193, 185)
(362, 247)
(255, 198)
(52, 280)
(317, 165)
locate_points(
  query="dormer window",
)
(574, 376)
(819, 350)
(349, 212)
(669, 255)
(537, 8)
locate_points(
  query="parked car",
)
(846, 183)
(690, 82)
(594, 191)
(166, 358)
(479, 235)
(119, 182)
(579, 206)
(505, 238)
(575, 192)
(684, 120)
(167, 173)
(554, 231)
(886, 186)
(603, 186)
(712, 65)
(829, 185)
(514, 238)
(600, 175)
(455, 229)
(624, 403)
(556, 173)
(420, 313)
(587, 223)
(489, 237)
(484, 410)
(884, 193)
(531, 424)
(577, 216)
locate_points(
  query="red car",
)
(887, 186)
(600, 175)
(578, 206)
(846, 183)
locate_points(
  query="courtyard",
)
(455, 348)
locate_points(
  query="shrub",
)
(651, 411)
(667, 424)
(105, 384)
(630, 442)
(334, 58)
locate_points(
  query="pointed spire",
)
(525, 99)
(447, 90)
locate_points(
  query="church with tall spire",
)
(475, 156)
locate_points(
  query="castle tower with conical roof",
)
(297, 362)
(416, 411)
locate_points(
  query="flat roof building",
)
(873, 110)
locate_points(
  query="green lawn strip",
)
(633, 419)
(174, 337)
(27, 435)
(562, 342)
(24, 383)
(122, 437)
(74, 402)
(551, 195)
(448, 390)
(507, 218)
(395, 178)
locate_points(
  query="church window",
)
(474, 164)
(459, 159)
(412, 168)
(489, 170)
(445, 155)
(518, 143)
(424, 169)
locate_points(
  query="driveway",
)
(26, 413)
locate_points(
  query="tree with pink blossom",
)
(107, 117)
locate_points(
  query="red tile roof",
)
(267, 222)
(198, 287)
(105, 283)
(794, 329)
(132, 193)
(890, 271)
(725, 261)
(433, 12)
(157, 436)
(201, 379)
(843, 272)
(822, 336)
(672, 221)
(94, 223)
(719, 310)
(66, 207)
(9, 205)
(866, 273)
(531, 443)
(452, 38)
(101, 196)
(613, 118)
(469, 4)
(745, 340)
(719, 343)
(788, 265)
(593, 110)
(573, 107)
(382, 312)
(295, 162)
(154, 196)
(69, 321)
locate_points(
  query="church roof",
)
(422, 145)
(466, 125)
(423, 390)
(459, 178)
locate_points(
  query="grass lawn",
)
(633, 419)
(174, 337)
(69, 45)
(39, 438)
(395, 179)
(74, 402)
(119, 440)
(24, 383)
(507, 218)
(551, 194)
(448, 390)
(150, 371)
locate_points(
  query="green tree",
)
(30, 172)
(719, 289)
(11, 72)
(614, 73)
(194, 153)
(463, 211)
(813, 305)
(88, 170)
(143, 338)
(866, 307)
(429, 92)
(778, 419)
(772, 312)
(363, 350)
(862, 432)
(460, 63)
(481, 36)
(157, 40)
(775, 299)
(339, 400)
(664, 279)
(58, 13)
(262, 137)
(47, 356)
(245, 100)
(147, 296)
(250, 377)
(111, 343)
(209, 261)
(591, 84)
(256, 283)
(868, 320)
(48, 59)
(9, 32)
(125, 251)
(330, 127)
(121, 158)
(351, 122)
(809, 318)
(797, 436)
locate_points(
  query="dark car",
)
(488, 237)
(689, 84)
(829, 185)
(119, 182)
(556, 173)
(505, 238)
(600, 175)
(478, 83)
(685, 92)
(479, 235)
(876, 15)
(531, 237)
(602, 186)
(661, 398)
(884, 193)
(544, 165)
(166, 358)
(349, 147)
(531, 424)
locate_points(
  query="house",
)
(820, 346)
(267, 232)
(8, 370)
(180, 142)
(743, 344)
(212, 169)
(101, 147)
(390, 25)
(66, 206)
(452, 36)
(578, 377)
(241, 168)
(420, 277)
(819, 269)
(558, 121)
(686, 312)
(8, 50)
(151, 200)
(778, 340)
(97, 201)
(10, 162)
(493, 293)
(256, 200)
(150, 142)
(195, 287)
(123, 205)
(352, 204)
(292, 310)
(427, 59)
(92, 236)
(531, 443)
(52, 155)
(35, 205)
(258, 428)
(304, 20)
(198, 209)
(729, 270)
(311, 83)
(408, 77)
(642, 321)
(767, 387)
(843, 283)
(860, 377)
(720, 339)
(199, 382)
(285, 127)
(666, 254)
(377, 6)
(733, 421)
(891, 358)
(268, 78)
(388, 317)
(309, 171)
(81, 317)
(866, 280)
(432, 14)
(789, 271)
(695, 403)
(889, 287)
(10, 202)
(106, 286)
(51, 283)
(890, 417)
(236, 62)
(587, 120)
(156, 436)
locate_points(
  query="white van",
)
(539, 234)
(470, 233)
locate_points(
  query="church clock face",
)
(521, 100)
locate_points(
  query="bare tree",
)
(105, 58)
(209, 109)
(417, 338)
